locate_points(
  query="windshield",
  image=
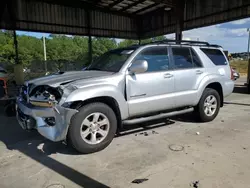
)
(111, 61)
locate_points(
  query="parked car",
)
(3, 72)
(126, 86)
(236, 75)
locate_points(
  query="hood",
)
(63, 78)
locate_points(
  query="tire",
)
(202, 108)
(10, 110)
(81, 137)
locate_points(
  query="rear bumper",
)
(31, 117)
(228, 88)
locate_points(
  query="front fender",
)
(85, 93)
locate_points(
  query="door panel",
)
(188, 74)
(150, 92)
(186, 86)
(153, 90)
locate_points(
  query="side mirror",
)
(139, 66)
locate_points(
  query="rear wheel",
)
(92, 128)
(209, 105)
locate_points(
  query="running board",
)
(158, 116)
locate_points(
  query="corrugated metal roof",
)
(117, 18)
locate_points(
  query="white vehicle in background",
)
(236, 74)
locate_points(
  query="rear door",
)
(188, 73)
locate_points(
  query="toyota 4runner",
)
(126, 86)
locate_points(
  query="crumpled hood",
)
(64, 78)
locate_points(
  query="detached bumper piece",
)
(50, 122)
(25, 121)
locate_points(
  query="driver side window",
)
(157, 58)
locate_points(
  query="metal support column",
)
(90, 50)
(179, 15)
(248, 55)
(16, 47)
(88, 20)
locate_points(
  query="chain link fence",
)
(37, 69)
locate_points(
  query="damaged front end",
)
(39, 107)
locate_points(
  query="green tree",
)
(62, 50)
(126, 43)
(102, 45)
(7, 53)
(29, 49)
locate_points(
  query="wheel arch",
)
(218, 87)
(108, 100)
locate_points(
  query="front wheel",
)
(92, 128)
(209, 105)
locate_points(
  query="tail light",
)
(232, 74)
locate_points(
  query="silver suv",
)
(126, 86)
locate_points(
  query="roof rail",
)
(181, 42)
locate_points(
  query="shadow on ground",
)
(188, 118)
(236, 103)
(150, 125)
(242, 89)
(28, 143)
(39, 149)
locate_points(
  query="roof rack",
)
(188, 42)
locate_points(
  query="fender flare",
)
(85, 93)
(209, 79)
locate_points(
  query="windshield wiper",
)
(98, 69)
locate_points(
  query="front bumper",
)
(32, 117)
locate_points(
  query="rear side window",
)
(185, 58)
(215, 55)
(196, 59)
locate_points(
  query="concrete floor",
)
(216, 157)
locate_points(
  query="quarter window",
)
(215, 55)
(157, 58)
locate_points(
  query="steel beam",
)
(179, 15)
(115, 3)
(88, 20)
(16, 47)
(145, 8)
(90, 50)
(132, 5)
(248, 57)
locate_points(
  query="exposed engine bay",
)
(45, 96)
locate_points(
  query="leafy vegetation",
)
(240, 66)
(61, 49)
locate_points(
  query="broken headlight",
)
(45, 96)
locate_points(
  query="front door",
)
(152, 90)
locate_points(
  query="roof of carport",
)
(117, 18)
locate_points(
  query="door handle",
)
(199, 72)
(168, 75)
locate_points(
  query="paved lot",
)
(216, 157)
